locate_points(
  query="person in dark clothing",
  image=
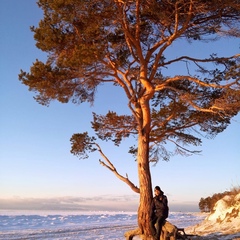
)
(159, 212)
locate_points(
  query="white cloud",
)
(97, 203)
(120, 203)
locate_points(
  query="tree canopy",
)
(125, 43)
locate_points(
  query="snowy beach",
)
(77, 225)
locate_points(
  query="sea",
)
(53, 225)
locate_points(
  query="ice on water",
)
(77, 225)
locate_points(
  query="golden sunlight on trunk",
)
(145, 186)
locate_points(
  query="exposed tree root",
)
(169, 232)
(136, 232)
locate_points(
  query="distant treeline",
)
(207, 204)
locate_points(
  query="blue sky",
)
(36, 167)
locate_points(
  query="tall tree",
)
(125, 43)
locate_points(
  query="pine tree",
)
(125, 43)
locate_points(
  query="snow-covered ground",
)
(55, 225)
(77, 225)
(223, 222)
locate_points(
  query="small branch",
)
(200, 60)
(185, 149)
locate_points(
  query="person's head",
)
(157, 191)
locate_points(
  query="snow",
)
(224, 220)
(222, 224)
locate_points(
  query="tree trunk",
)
(144, 175)
(145, 186)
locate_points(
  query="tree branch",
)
(199, 60)
(108, 164)
(192, 79)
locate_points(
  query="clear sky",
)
(36, 166)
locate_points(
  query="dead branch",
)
(108, 164)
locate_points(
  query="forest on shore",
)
(207, 204)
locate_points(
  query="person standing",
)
(159, 212)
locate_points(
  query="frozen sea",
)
(77, 225)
